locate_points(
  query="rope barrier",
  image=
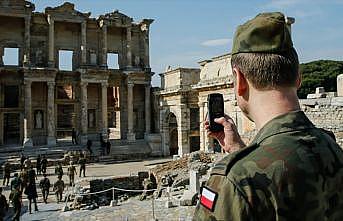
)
(116, 188)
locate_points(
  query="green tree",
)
(322, 73)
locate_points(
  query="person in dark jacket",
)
(7, 173)
(31, 192)
(39, 165)
(44, 164)
(44, 185)
(3, 205)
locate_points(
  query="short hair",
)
(268, 70)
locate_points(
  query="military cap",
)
(266, 33)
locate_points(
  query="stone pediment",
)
(66, 12)
(116, 18)
(18, 7)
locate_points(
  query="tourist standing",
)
(15, 197)
(82, 163)
(22, 160)
(38, 165)
(71, 172)
(73, 136)
(44, 185)
(7, 173)
(31, 190)
(24, 179)
(58, 189)
(59, 170)
(89, 146)
(44, 164)
(3, 205)
(16, 181)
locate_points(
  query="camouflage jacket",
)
(291, 171)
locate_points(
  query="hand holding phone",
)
(215, 106)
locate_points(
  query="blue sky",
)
(187, 31)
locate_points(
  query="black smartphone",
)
(215, 104)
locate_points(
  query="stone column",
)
(183, 123)
(51, 141)
(84, 42)
(202, 129)
(28, 115)
(84, 113)
(146, 49)
(147, 110)
(130, 134)
(128, 45)
(104, 45)
(51, 41)
(104, 86)
(27, 41)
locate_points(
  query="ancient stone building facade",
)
(41, 101)
(183, 96)
(183, 105)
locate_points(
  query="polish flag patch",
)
(208, 198)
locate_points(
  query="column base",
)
(51, 64)
(84, 139)
(28, 142)
(51, 141)
(131, 136)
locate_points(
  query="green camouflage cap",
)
(266, 33)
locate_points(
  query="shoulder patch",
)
(208, 198)
(224, 166)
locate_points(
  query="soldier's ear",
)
(241, 82)
(299, 80)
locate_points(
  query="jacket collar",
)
(291, 121)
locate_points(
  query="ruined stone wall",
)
(326, 113)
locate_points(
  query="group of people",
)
(25, 182)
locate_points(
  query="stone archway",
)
(173, 134)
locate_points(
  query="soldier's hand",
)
(229, 139)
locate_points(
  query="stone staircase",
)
(120, 150)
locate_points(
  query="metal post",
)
(113, 202)
(153, 208)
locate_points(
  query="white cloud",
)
(216, 42)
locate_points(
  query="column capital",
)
(50, 83)
(104, 84)
(83, 84)
(27, 82)
(130, 84)
(50, 20)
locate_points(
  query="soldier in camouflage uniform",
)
(16, 181)
(16, 198)
(59, 170)
(44, 185)
(291, 170)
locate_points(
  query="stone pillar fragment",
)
(51, 41)
(84, 42)
(28, 115)
(130, 134)
(51, 141)
(340, 85)
(202, 128)
(104, 86)
(84, 113)
(128, 45)
(147, 109)
(27, 40)
(104, 45)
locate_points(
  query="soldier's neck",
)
(266, 105)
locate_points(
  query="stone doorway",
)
(173, 135)
(11, 128)
(65, 121)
